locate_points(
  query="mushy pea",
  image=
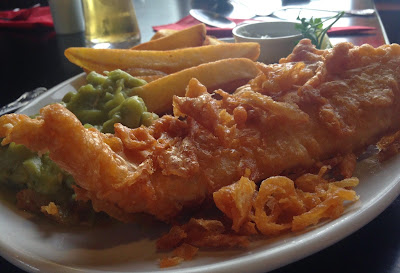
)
(21, 168)
(102, 102)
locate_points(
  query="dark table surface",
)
(34, 58)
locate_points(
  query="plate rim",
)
(51, 91)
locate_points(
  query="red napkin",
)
(189, 21)
(26, 18)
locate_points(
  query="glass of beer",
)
(110, 23)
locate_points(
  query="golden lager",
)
(110, 23)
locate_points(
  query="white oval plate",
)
(35, 244)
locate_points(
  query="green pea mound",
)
(104, 101)
(22, 168)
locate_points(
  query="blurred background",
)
(389, 11)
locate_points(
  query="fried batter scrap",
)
(313, 106)
(389, 146)
(182, 253)
(201, 233)
(186, 240)
(281, 204)
(66, 213)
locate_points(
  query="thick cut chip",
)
(169, 61)
(163, 33)
(229, 73)
(189, 37)
(210, 40)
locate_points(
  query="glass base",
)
(122, 45)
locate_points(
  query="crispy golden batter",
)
(281, 204)
(313, 106)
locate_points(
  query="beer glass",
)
(110, 23)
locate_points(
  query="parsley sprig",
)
(313, 28)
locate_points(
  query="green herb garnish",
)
(313, 29)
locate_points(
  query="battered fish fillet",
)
(312, 106)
